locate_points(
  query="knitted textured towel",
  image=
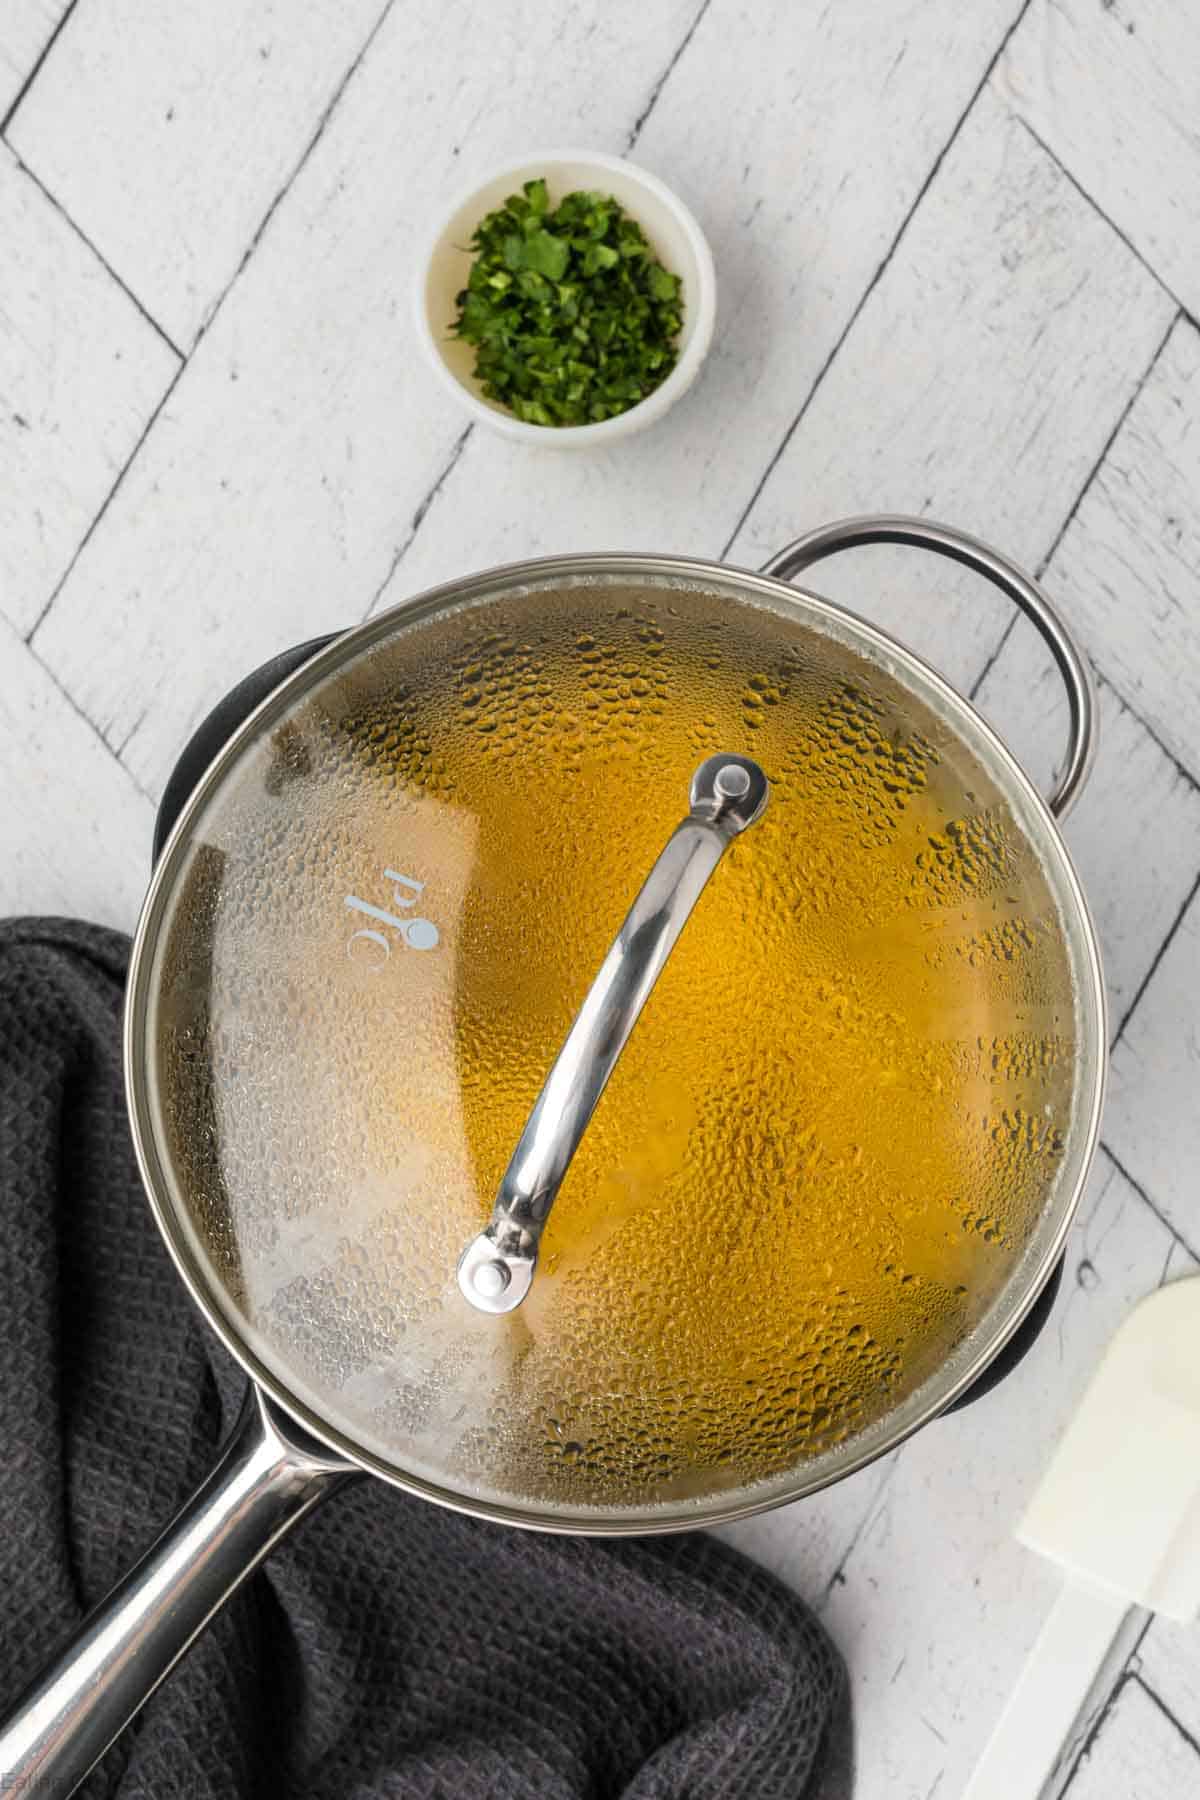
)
(389, 1649)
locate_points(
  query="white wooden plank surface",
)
(978, 385)
(167, 131)
(1138, 1754)
(1152, 1119)
(1002, 342)
(828, 127)
(1137, 876)
(26, 27)
(937, 1606)
(1169, 1662)
(268, 501)
(1128, 575)
(80, 374)
(80, 847)
(1112, 87)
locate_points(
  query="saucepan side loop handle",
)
(898, 528)
(268, 1477)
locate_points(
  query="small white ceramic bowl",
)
(676, 238)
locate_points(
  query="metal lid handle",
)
(495, 1270)
(898, 528)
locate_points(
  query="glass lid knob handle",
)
(495, 1271)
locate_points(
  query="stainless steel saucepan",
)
(505, 1187)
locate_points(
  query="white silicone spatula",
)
(1119, 1510)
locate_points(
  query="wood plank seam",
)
(1179, 768)
(60, 209)
(1165, 1710)
(892, 248)
(636, 129)
(314, 139)
(1168, 1663)
(1184, 773)
(81, 370)
(1144, 1197)
(1090, 1743)
(90, 723)
(1093, 472)
(103, 508)
(33, 74)
(1085, 1749)
(423, 506)
(1132, 248)
(294, 171)
(1158, 956)
(184, 357)
(1104, 681)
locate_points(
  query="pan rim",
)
(935, 1394)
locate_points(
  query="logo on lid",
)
(365, 944)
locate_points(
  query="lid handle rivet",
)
(490, 1279)
(733, 781)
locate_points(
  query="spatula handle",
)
(1050, 1692)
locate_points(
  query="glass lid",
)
(833, 1139)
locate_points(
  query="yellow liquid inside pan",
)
(821, 1151)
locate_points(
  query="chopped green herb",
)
(572, 316)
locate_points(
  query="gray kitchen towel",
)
(390, 1649)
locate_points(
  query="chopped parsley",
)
(572, 316)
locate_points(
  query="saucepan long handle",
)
(944, 540)
(268, 1477)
